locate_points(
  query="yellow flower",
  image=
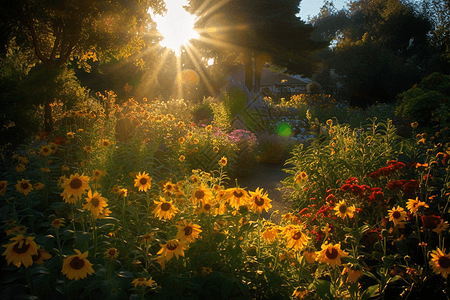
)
(22, 160)
(40, 256)
(414, 125)
(57, 223)
(181, 140)
(201, 193)
(172, 247)
(3, 185)
(223, 161)
(146, 238)
(20, 168)
(295, 238)
(20, 251)
(23, 186)
(441, 227)
(123, 192)
(38, 186)
(300, 292)
(97, 174)
(310, 256)
(65, 168)
(70, 135)
(74, 187)
(440, 261)
(216, 149)
(353, 273)
(188, 232)
(182, 158)
(270, 234)
(143, 282)
(77, 266)
(329, 122)
(143, 181)
(88, 149)
(331, 254)
(46, 150)
(397, 215)
(259, 201)
(238, 197)
(414, 204)
(165, 209)
(95, 203)
(111, 253)
(342, 210)
(205, 207)
(300, 177)
(196, 141)
(105, 143)
(194, 179)
(45, 170)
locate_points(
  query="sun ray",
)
(179, 84)
(191, 51)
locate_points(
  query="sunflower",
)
(259, 201)
(142, 281)
(181, 158)
(105, 143)
(20, 251)
(397, 215)
(57, 223)
(201, 194)
(70, 135)
(38, 186)
(205, 207)
(223, 161)
(310, 255)
(188, 232)
(75, 186)
(300, 292)
(342, 210)
(295, 238)
(270, 234)
(3, 185)
(146, 238)
(88, 149)
(165, 209)
(40, 256)
(353, 272)
(194, 179)
(172, 247)
(77, 266)
(300, 177)
(440, 261)
(331, 254)
(238, 197)
(441, 227)
(143, 181)
(216, 149)
(23, 186)
(95, 203)
(97, 174)
(123, 192)
(181, 140)
(46, 150)
(414, 204)
(111, 253)
(169, 188)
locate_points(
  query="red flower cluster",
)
(407, 186)
(392, 166)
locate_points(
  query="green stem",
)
(30, 281)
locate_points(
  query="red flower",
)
(331, 199)
(345, 187)
(374, 175)
(377, 196)
(395, 185)
(352, 180)
(430, 221)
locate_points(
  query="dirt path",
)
(268, 177)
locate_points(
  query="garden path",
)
(268, 177)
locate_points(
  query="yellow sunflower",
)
(23, 186)
(342, 210)
(74, 187)
(3, 185)
(353, 273)
(300, 177)
(165, 209)
(111, 253)
(331, 254)
(96, 174)
(146, 238)
(20, 251)
(95, 203)
(442, 226)
(223, 161)
(77, 266)
(57, 223)
(88, 149)
(397, 215)
(181, 158)
(38, 186)
(187, 232)
(143, 181)
(20, 168)
(205, 207)
(40, 256)
(270, 234)
(46, 150)
(142, 281)
(105, 143)
(440, 261)
(172, 247)
(259, 201)
(201, 193)
(70, 135)
(295, 237)
(300, 292)
(310, 255)
(238, 197)
(216, 149)
(413, 205)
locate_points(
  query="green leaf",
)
(323, 289)
(370, 292)
(227, 287)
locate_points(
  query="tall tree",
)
(58, 31)
(260, 31)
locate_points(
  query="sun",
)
(176, 26)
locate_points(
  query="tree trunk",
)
(260, 60)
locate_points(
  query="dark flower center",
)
(37, 256)
(172, 246)
(187, 230)
(2, 185)
(165, 206)
(238, 194)
(259, 201)
(76, 183)
(20, 250)
(343, 209)
(112, 252)
(199, 194)
(143, 181)
(331, 255)
(444, 262)
(77, 263)
(95, 202)
(396, 214)
(45, 149)
(169, 187)
(24, 185)
(207, 206)
(297, 236)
